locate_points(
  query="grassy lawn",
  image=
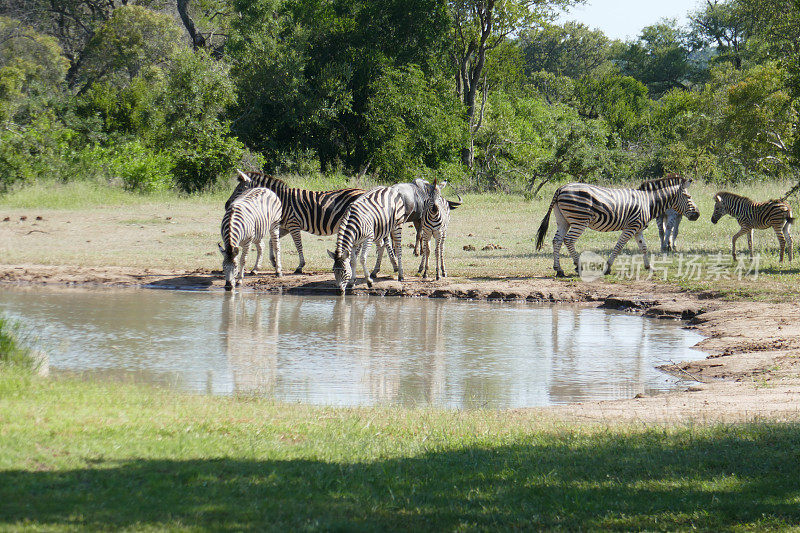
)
(98, 456)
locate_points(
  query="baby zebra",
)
(248, 219)
(435, 217)
(750, 215)
(372, 218)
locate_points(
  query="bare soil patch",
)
(752, 371)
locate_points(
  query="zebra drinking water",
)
(435, 217)
(316, 212)
(579, 205)
(750, 215)
(249, 219)
(378, 214)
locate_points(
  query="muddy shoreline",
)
(752, 371)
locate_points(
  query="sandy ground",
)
(752, 371)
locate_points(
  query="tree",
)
(724, 26)
(414, 125)
(570, 50)
(479, 27)
(659, 58)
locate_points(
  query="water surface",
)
(353, 350)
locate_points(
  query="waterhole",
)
(352, 350)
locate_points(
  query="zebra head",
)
(229, 265)
(683, 203)
(436, 210)
(720, 210)
(341, 269)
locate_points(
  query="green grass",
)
(76, 455)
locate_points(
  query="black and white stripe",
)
(435, 218)
(248, 220)
(317, 212)
(750, 215)
(374, 217)
(579, 206)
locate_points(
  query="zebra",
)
(374, 217)
(247, 220)
(316, 212)
(579, 205)
(668, 223)
(775, 214)
(415, 194)
(435, 218)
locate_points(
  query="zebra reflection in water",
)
(249, 329)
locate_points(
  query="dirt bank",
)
(752, 371)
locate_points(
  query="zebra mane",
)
(734, 196)
(259, 179)
(661, 183)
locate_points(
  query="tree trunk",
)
(198, 41)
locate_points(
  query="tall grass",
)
(14, 346)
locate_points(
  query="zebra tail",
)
(543, 226)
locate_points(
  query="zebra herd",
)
(263, 205)
(360, 218)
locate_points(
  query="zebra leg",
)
(733, 241)
(623, 240)
(781, 241)
(240, 275)
(643, 248)
(663, 232)
(275, 250)
(363, 257)
(440, 254)
(575, 231)
(298, 243)
(387, 243)
(426, 253)
(750, 241)
(418, 239)
(562, 226)
(397, 244)
(378, 260)
(787, 233)
(259, 255)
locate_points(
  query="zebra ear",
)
(221, 249)
(442, 185)
(242, 177)
(331, 255)
(235, 251)
(718, 198)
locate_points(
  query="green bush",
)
(142, 169)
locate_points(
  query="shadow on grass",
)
(711, 479)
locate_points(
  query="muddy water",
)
(352, 350)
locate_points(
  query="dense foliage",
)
(158, 94)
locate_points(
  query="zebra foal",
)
(750, 215)
(248, 220)
(578, 206)
(374, 217)
(317, 212)
(434, 221)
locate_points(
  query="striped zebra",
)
(374, 217)
(750, 215)
(317, 212)
(434, 220)
(668, 223)
(248, 220)
(579, 205)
